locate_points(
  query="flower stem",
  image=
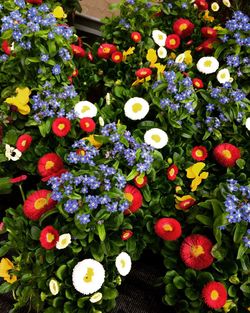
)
(21, 190)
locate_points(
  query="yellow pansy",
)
(5, 266)
(151, 56)
(194, 172)
(207, 17)
(141, 80)
(184, 199)
(128, 52)
(21, 100)
(188, 57)
(92, 139)
(59, 13)
(160, 68)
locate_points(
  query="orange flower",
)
(134, 196)
(5, 266)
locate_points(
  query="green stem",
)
(21, 190)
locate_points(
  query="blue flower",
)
(44, 58)
(71, 206)
(83, 218)
(56, 70)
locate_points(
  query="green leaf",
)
(204, 219)
(109, 293)
(241, 251)
(132, 175)
(241, 163)
(179, 282)
(35, 232)
(4, 249)
(5, 288)
(239, 232)
(101, 231)
(81, 302)
(61, 272)
(192, 294)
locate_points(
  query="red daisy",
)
(197, 83)
(35, 1)
(226, 154)
(49, 237)
(208, 32)
(61, 126)
(134, 196)
(214, 294)
(117, 57)
(173, 41)
(50, 165)
(140, 181)
(87, 124)
(126, 234)
(23, 142)
(6, 48)
(136, 37)
(37, 203)
(199, 153)
(172, 172)
(78, 51)
(207, 46)
(168, 228)
(18, 179)
(201, 4)
(195, 252)
(143, 72)
(186, 204)
(183, 27)
(75, 72)
(105, 50)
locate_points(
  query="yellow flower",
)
(5, 266)
(151, 56)
(21, 100)
(188, 57)
(172, 56)
(160, 68)
(207, 17)
(92, 139)
(59, 13)
(128, 52)
(194, 172)
(218, 27)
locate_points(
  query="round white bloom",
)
(54, 287)
(207, 65)
(226, 3)
(96, 297)
(85, 109)
(156, 138)
(223, 76)
(88, 276)
(215, 6)
(123, 263)
(180, 58)
(64, 241)
(159, 37)
(248, 123)
(12, 153)
(101, 121)
(136, 108)
(162, 52)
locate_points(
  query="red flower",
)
(105, 50)
(201, 4)
(50, 165)
(168, 228)
(226, 154)
(37, 203)
(117, 57)
(199, 153)
(208, 32)
(140, 181)
(5, 47)
(75, 73)
(183, 27)
(143, 72)
(198, 83)
(136, 37)
(126, 234)
(70, 79)
(173, 41)
(195, 252)
(214, 294)
(35, 1)
(90, 56)
(134, 196)
(18, 179)
(207, 46)
(23, 142)
(61, 126)
(78, 51)
(49, 237)
(87, 124)
(186, 204)
(172, 172)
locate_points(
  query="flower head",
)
(136, 36)
(21, 100)
(214, 295)
(173, 41)
(105, 50)
(49, 165)
(156, 138)
(226, 154)
(23, 142)
(183, 27)
(123, 263)
(143, 72)
(159, 37)
(184, 203)
(215, 6)
(85, 109)
(5, 47)
(141, 181)
(201, 4)
(5, 266)
(207, 65)
(87, 124)
(223, 76)
(172, 172)
(117, 57)
(168, 228)
(136, 108)
(126, 234)
(199, 153)
(195, 252)
(96, 297)
(134, 196)
(61, 126)
(12, 154)
(208, 32)
(54, 287)
(78, 51)
(63, 241)
(49, 237)
(197, 83)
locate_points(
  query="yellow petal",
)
(195, 183)
(24, 110)
(59, 13)
(138, 81)
(194, 170)
(160, 67)
(91, 138)
(188, 57)
(151, 56)
(204, 175)
(183, 198)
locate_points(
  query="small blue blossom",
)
(71, 206)
(83, 218)
(56, 70)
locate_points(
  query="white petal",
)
(248, 123)
(54, 287)
(223, 76)
(207, 65)
(96, 297)
(162, 52)
(64, 241)
(226, 3)
(123, 263)
(85, 109)
(136, 108)
(159, 37)
(180, 58)
(101, 121)
(156, 138)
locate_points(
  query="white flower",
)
(248, 123)
(96, 297)
(54, 287)
(215, 6)
(64, 241)
(85, 109)
(88, 276)
(156, 138)
(101, 121)
(12, 153)
(136, 108)
(226, 3)
(123, 263)
(180, 58)
(108, 101)
(159, 38)
(207, 65)
(223, 76)
(162, 52)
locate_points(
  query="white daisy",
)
(136, 108)
(54, 287)
(215, 6)
(101, 121)
(180, 58)
(64, 241)
(223, 76)
(85, 109)
(123, 263)
(108, 99)
(248, 123)
(88, 276)
(12, 153)
(207, 65)
(227, 3)
(156, 138)
(162, 52)
(96, 297)
(159, 37)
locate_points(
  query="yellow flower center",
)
(117, 57)
(171, 172)
(223, 75)
(49, 165)
(81, 152)
(199, 153)
(183, 27)
(89, 275)
(87, 125)
(156, 138)
(214, 295)
(40, 203)
(160, 37)
(139, 180)
(23, 143)
(172, 41)
(123, 263)
(209, 32)
(136, 37)
(208, 63)
(64, 241)
(85, 108)
(197, 84)
(50, 237)
(197, 250)
(136, 107)
(125, 236)
(167, 227)
(106, 50)
(61, 126)
(227, 154)
(129, 196)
